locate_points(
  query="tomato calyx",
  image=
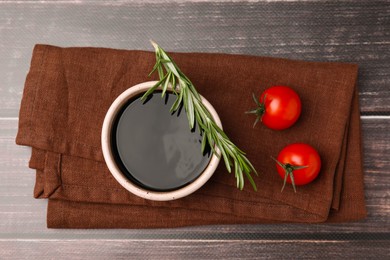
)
(259, 110)
(289, 171)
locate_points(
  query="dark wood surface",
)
(345, 31)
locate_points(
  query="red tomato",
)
(300, 161)
(279, 107)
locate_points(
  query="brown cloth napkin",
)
(69, 90)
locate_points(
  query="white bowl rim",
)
(121, 178)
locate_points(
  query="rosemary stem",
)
(187, 95)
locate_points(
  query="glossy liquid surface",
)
(154, 148)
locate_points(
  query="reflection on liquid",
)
(157, 148)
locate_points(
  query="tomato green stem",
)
(289, 171)
(259, 110)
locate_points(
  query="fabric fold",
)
(68, 91)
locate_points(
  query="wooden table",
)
(346, 31)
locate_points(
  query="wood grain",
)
(172, 249)
(310, 30)
(25, 218)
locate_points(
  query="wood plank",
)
(23, 217)
(309, 30)
(214, 249)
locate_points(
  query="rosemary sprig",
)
(186, 95)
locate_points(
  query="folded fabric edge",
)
(56, 189)
(78, 215)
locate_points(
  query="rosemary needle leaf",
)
(154, 68)
(164, 61)
(174, 82)
(160, 71)
(191, 113)
(166, 83)
(251, 180)
(151, 90)
(212, 134)
(211, 143)
(241, 176)
(225, 158)
(250, 165)
(236, 174)
(177, 103)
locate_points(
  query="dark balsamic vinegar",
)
(155, 148)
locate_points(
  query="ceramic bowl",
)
(108, 154)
